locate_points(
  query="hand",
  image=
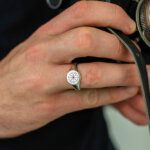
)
(33, 89)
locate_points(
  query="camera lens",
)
(143, 20)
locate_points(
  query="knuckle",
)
(85, 40)
(92, 76)
(122, 74)
(34, 53)
(117, 10)
(118, 14)
(113, 95)
(34, 83)
(80, 9)
(131, 75)
(92, 98)
(119, 51)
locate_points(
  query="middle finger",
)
(86, 41)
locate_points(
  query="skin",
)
(34, 90)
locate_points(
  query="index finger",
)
(90, 13)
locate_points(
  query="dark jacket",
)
(84, 130)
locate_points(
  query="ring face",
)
(73, 77)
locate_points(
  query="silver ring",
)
(74, 77)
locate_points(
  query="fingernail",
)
(132, 90)
(132, 26)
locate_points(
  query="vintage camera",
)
(143, 20)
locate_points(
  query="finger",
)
(77, 100)
(100, 75)
(86, 41)
(96, 75)
(137, 103)
(132, 114)
(90, 13)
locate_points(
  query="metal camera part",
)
(54, 4)
(143, 20)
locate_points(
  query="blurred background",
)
(124, 134)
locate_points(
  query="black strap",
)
(141, 66)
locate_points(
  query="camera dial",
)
(143, 20)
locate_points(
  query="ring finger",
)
(100, 75)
